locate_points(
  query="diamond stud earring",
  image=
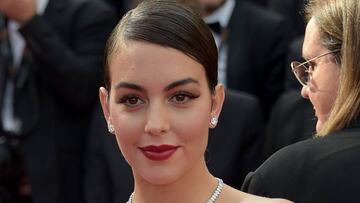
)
(213, 121)
(111, 128)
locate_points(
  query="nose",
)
(305, 92)
(157, 122)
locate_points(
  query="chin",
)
(160, 181)
(160, 177)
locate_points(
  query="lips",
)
(158, 153)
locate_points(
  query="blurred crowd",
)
(54, 144)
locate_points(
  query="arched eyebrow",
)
(172, 85)
(180, 83)
(128, 85)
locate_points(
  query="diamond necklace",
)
(212, 199)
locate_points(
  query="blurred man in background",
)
(49, 87)
(252, 45)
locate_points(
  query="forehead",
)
(312, 46)
(143, 62)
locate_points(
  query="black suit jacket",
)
(294, 54)
(292, 10)
(235, 145)
(320, 170)
(108, 177)
(234, 149)
(3, 73)
(120, 6)
(298, 116)
(260, 2)
(55, 89)
(257, 45)
(4, 59)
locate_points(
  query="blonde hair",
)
(339, 23)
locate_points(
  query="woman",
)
(324, 169)
(160, 100)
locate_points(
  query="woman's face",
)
(160, 106)
(323, 83)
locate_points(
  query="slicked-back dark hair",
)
(170, 24)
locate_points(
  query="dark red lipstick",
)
(158, 153)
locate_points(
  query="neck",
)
(197, 185)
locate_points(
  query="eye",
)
(182, 97)
(131, 101)
(309, 67)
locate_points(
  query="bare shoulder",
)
(231, 195)
(268, 200)
(257, 199)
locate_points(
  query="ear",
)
(104, 100)
(217, 100)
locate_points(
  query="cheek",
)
(128, 129)
(323, 91)
(192, 125)
(322, 101)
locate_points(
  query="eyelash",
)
(311, 66)
(125, 100)
(186, 95)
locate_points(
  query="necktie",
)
(215, 27)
